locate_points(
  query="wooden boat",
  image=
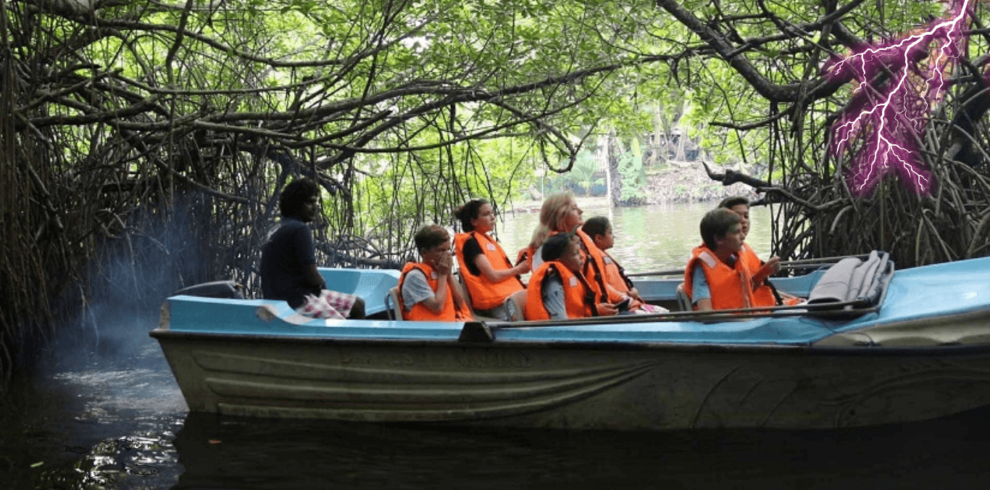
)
(872, 346)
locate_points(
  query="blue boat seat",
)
(369, 284)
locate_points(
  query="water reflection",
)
(219, 452)
(106, 424)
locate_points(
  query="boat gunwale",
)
(804, 348)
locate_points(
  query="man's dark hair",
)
(468, 212)
(295, 195)
(715, 224)
(430, 236)
(596, 226)
(733, 201)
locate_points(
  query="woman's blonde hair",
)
(540, 235)
(555, 208)
(552, 213)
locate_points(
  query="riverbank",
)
(686, 182)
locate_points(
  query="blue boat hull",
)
(914, 358)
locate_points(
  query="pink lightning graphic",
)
(888, 119)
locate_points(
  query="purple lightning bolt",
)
(888, 119)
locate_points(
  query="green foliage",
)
(406, 109)
(585, 170)
(633, 174)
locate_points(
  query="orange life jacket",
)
(419, 311)
(594, 270)
(484, 293)
(762, 294)
(579, 298)
(617, 279)
(616, 274)
(730, 287)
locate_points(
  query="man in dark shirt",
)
(288, 260)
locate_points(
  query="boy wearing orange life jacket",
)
(558, 289)
(764, 293)
(715, 278)
(427, 290)
(488, 274)
(600, 231)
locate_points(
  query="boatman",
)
(427, 289)
(715, 278)
(288, 260)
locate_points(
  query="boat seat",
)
(392, 305)
(515, 306)
(464, 291)
(683, 301)
(215, 289)
(467, 297)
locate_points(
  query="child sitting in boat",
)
(558, 289)
(715, 277)
(288, 260)
(427, 290)
(561, 214)
(488, 274)
(600, 231)
(763, 293)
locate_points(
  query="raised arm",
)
(497, 276)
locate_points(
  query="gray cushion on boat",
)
(215, 289)
(850, 279)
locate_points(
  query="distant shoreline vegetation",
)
(671, 183)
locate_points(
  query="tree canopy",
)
(143, 143)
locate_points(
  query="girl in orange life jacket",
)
(715, 278)
(561, 214)
(763, 292)
(600, 231)
(487, 272)
(558, 290)
(427, 291)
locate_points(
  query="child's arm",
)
(455, 289)
(496, 276)
(439, 298)
(769, 268)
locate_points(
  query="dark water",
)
(114, 418)
(124, 425)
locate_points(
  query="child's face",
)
(485, 221)
(435, 254)
(733, 239)
(606, 240)
(743, 211)
(572, 258)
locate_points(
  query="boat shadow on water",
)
(248, 453)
